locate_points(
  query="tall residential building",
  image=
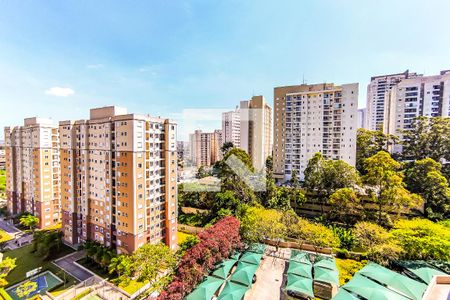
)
(231, 127)
(256, 130)
(413, 97)
(376, 94)
(310, 119)
(33, 170)
(119, 179)
(205, 147)
(361, 118)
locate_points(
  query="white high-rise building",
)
(361, 118)
(376, 93)
(310, 119)
(256, 130)
(231, 127)
(427, 96)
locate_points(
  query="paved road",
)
(10, 229)
(67, 264)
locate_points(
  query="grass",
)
(182, 236)
(94, 267)
(132, 286)
(26, 261)
(4, 236)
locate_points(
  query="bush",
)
(216, 243)
(347, 268)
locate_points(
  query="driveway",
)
(67, 264)
(269, 279)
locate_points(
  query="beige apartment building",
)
(310, 119)
(231, 127)
(410, 98)
(205, 147)
(119, 179)
(377, 89)
(256, 130)
(33, 170)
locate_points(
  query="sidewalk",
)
(67, 263)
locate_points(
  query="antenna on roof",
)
(303, 80)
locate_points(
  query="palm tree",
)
(29, 221)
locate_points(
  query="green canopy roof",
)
(369, 289)
(300, 269)
(233, 291)
(257, 248)
(223, 269)
(325, 262)
(344, 295)
(300, 256)
(251, 257)
(421, 269)
(394, 281)
(206, 289)
(326, 275)
(235, 255)
(244, 273)
(300, 284)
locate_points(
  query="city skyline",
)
(60, 59)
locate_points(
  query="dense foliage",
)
(216, 243)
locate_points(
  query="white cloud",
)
(60, 91)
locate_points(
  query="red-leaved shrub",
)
(216, 244)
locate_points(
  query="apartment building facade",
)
(205, 147)
(119, 179)
(231, 127)
(377, 90)
(427, 96)
(32, 163)
(310, 119)
(256, 130)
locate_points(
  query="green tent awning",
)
(325, 262)
(344, 295)
(257, 248)
(394, 281)
(251, 258)
(300, 269)
(300, 284)
(235, 255)
(421, 269)
(223, 269)
(300, 256)
(206, 289)
(326, 275)
(369, 289)
(233, 291)
(244, 273)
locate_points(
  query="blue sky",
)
(160, 57)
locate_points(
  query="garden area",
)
(46, 247)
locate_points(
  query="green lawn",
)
(26, 261)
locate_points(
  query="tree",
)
(47, 242)
(387, 188)
(258, 223)
(369, 143)
(375, 240)
(294, 181)
(26, 288)
(121, 265)
(422, 239)
(425, 178)
(428, 137)
(6, 266)
(29, 221)
(150, 259)
(201, 173)
(227, 146)
(315, 234)
(346, 206)
(188, 243)
(323, 177)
